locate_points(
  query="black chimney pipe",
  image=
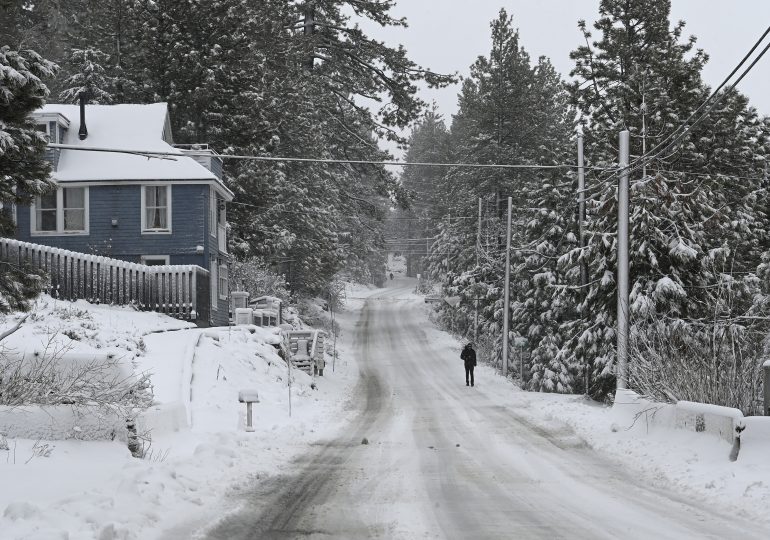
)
(83, 131)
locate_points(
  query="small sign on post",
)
(453, 301)
(248, 397)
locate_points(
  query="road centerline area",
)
(444, 460)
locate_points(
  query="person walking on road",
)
(469, 357)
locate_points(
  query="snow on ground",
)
(693, 464)
(82, 490)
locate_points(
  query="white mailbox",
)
(248, 397)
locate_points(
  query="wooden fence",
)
(181, 291)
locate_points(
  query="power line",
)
(175, 155)
(664, 145)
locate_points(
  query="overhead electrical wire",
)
(687, 125)
(173, 155)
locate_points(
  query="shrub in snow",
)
(55, 376)
(256, 277)
(716, 359)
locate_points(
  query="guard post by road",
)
(766, 381)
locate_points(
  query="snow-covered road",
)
(448, 461)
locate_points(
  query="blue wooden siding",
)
(221, 314)
(189, 225)
(216, 166)
(125, 240)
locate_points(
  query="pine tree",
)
(429, 143)
(513, 110)
(24, 172)
(640, 72)
(88, 77)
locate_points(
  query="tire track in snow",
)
(509, 478)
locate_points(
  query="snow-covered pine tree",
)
(346, 63)
(640, 72)
(513, 111)
(428, 143)
(317, 216)
(24, 172)
(88, 77)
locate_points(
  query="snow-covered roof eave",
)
(224, 190)
(221, 188)
(128, 127)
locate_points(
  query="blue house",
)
(130, 207)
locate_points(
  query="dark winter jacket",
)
(468, 356)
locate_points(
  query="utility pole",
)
(644, 135)
(582, 235)
(622, 369)
(478, 250)
(506, 305)
(478, 236)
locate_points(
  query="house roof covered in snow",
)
(126, 127)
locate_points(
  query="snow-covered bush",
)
(256, 277)
(709, 362)
(55, 376)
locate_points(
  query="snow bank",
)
(643, 437)
(197, 450)
(706, 418)
(60, 422)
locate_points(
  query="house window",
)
(155, 260)
(74, 207)
(47, 210)
(64, 211)
(223, 215)
(223, 282)
(213, 212)
(156, 209)
(44, 128)
(213, 283)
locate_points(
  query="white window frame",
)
(164, 258)
(222, 281)
(214, 284)
(145, 229)
(213, 222)
(222, 215)
(47, 129)
(33, 231)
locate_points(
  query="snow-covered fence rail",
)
(706, 418)
(630, 410)
(181, 291)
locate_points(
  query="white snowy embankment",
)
(83, 490)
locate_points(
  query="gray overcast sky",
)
(448, 35)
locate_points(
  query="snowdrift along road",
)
(448, 461)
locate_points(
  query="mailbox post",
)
(248, 397)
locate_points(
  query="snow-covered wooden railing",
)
(181, 291)
(309, 360)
